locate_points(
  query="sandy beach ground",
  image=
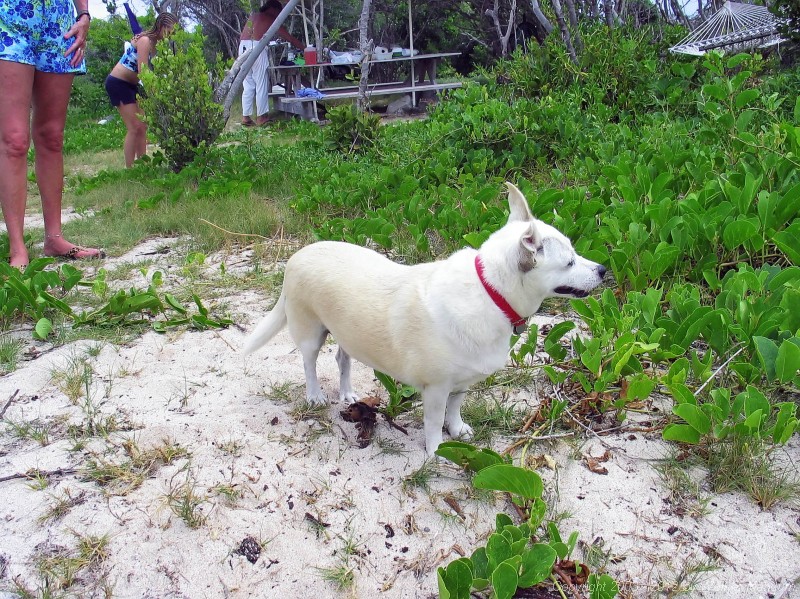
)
(225, 451)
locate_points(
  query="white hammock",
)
(734, 27)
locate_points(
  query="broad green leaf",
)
(696, 418)
(602, 587)
(480, 563)
(746, 97)
(715, 91)
(174, 303)
(504, 581)
(737, 232)
(43, 328)
(515, 480)
(537, 563)
(682, 433)
(787, 206)
(753, 421)
(788, 241)
(457, 579)
(755, 400)
(498, 550)
(787, 362)
(444, 593)
(768, 353)
(785, 422)
(501, 520)
(468, 456)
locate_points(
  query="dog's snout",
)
(601, 270)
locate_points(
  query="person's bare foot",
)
(58, 247)
(19, 260)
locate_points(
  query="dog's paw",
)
(349, 397)
(317, 399)
(460, 430)
(431, 445)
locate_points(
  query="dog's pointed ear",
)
(517, 204)
(531, 239)
(530, 247)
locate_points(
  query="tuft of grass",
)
(35, 430)
(229, 492)
(169, 451)
(318, 414)
(185, 502)
(120, 478)
(62, 505)
(747, 465)
(489, 417)
(285, 393)
(390, 447)
(684, 494)
(74, 378)
(689, 573)
(38, 480)
(60, 569)
(10, 353)
(421, 477)
(340, 576)
(232, 447)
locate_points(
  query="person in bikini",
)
(256, 83)
(122, 84)
(42, 46)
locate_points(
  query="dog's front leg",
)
(346, 393)
(457, 428)
(434, 405)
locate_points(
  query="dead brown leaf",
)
(364, 415)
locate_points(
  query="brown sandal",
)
(72, 254)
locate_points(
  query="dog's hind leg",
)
(452, 419)
(309, 342)
(346, 393)
(434, 403)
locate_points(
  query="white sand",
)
(193, 388)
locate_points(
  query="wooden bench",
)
(422, 80)
(381, 89)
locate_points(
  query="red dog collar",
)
(518, 322)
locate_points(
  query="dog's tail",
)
(271, 324)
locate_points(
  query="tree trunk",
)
(609, 14)
(494, 15)
(232, 83)
(540, 17)
(562, 25)
(365, 45)
(573, 23)
(676, 8)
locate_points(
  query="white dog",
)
(440, 326)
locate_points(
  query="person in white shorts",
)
(256, 83)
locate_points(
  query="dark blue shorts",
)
(120, 91)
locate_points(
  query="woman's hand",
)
(80, 31)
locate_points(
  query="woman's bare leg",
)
(15, 81)
(135, 145)
(50, 99)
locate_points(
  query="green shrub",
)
(351, 130)
(179, 107)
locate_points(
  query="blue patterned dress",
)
(32, 32)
